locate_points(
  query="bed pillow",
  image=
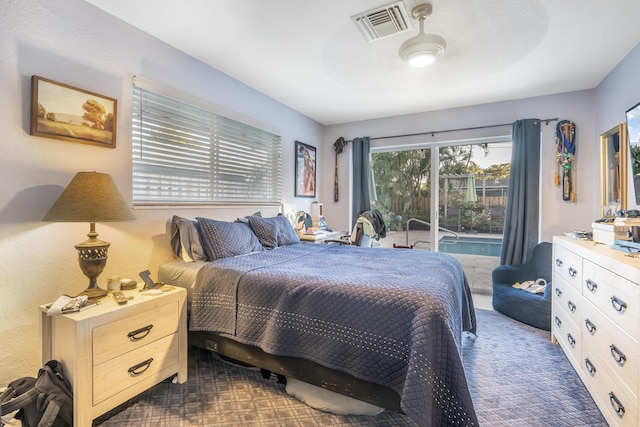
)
(185, 240)
(274, 232)
(223, 239)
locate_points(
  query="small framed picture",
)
(305, 170)
(68, 113)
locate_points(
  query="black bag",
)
(43, 402)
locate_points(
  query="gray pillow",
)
(185, 240)
(274, 232)
(223, 239)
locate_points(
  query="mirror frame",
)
(621, 168)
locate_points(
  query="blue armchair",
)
(523, 306)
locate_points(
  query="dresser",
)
(595, 319)
(113, 352)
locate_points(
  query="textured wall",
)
(71, 41)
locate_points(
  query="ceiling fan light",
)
(422, 50)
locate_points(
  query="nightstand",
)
(112, 352)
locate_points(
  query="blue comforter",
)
(393, 317)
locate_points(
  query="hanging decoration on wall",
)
(338, 146)
(565, 155)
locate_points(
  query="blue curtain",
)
(361, 199)
(522, 213)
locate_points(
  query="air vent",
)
(383, 21)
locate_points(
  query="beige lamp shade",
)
(90, 197)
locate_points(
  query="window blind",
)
(184, 154)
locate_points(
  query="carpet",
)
(517, 377)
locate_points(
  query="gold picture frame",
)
(64, 112)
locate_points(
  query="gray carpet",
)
(516, 376)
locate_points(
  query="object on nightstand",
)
(91, 197)
(66, 304)
(128, 284)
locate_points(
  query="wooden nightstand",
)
(113, 352)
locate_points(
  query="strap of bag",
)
(19, 401)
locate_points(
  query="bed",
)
(382, 325)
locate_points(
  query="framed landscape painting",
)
(68, 113)
(305, 170)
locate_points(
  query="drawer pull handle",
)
(618, 355)
(572, 272)
(590, 326)
(572, 306)
(590, 367)
(591, 285)
(571, 340)
(558, 262)
(558, 292)
(558, 321)
(140, 367)
(616, 404)
(618, 304)
(139, 334)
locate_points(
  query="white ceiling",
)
(310, 56)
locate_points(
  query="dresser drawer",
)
(615, 348)
(614, 295)
(120, 373)
(568, 265)
(130, 333)
(566, 332)
(568, 299)
(616, 402)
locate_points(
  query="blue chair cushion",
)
(523, 306)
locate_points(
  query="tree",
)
(41, 111)
(94, 113)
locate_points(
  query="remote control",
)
(120, 298)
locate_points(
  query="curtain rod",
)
(432, 133)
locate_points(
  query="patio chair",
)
(496, 214)
(452, 219)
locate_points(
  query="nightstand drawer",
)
(125, 371)
(130, 333)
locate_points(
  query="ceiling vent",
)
(383, 21)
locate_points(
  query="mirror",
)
(613, 170)
(633, 131)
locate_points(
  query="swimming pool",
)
(470, 246)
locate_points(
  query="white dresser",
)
(595, 319)
(113, 352)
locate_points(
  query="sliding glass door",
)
(447, 197)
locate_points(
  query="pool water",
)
(471, 246)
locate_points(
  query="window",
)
(186, 155)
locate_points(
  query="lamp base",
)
(94, 293)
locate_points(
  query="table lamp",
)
(91, 197)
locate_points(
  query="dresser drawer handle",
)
(590, 326)
(140, 367)
(590, 367)
(616, 404)
(558, 321)
(558, 292)
(572, 272)
(571, 340)
(618, 304)
(572, 306)
(558, 262)
(139, 334)
(591, 285)
(618, 355)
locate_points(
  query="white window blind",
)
(184, 154)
